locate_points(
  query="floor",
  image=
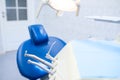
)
(8, 67)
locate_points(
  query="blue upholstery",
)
(97, 58)
(38, 45)
(38, 34)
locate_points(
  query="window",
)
(16, 10)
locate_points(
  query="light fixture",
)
(61, 5)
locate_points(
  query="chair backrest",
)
(38, 44)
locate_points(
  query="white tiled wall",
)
(70, 26)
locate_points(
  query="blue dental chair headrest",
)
(38, 44)
(38, 34)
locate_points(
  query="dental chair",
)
(38, 45)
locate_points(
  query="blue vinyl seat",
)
(38, 44)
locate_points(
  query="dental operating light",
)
(61, 5)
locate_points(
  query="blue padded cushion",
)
(38, 34)
(31, 71)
